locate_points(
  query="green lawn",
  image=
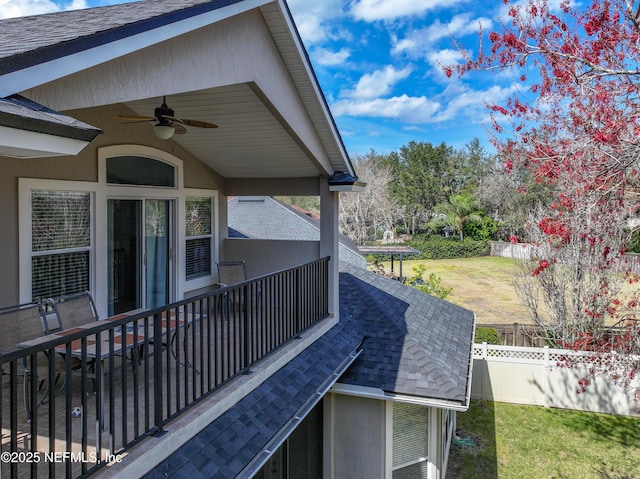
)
(530, 442)
(484, 285)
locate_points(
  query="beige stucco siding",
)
(83, 167)
(238, 50)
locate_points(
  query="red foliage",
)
(576, 131)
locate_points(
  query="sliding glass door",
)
(140, 246)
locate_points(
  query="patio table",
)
(122, 340)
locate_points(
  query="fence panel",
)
(522, 375)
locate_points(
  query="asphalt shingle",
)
(414, 344)
(23, 44)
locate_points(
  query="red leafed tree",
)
(574, 126)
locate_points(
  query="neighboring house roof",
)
(390, 337)
(264, 217)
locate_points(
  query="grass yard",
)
(484, 285)
(530, 442)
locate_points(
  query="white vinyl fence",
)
(532, 376)
(631, 261)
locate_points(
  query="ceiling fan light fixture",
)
(164, 132)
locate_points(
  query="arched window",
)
(141, 171)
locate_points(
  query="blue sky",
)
(379, 65)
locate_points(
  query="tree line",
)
(439, 189)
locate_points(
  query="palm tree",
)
(460, 209)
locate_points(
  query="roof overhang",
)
(276, 125)
(278, 439)
(30, 130)
(344, 182)
(25, 71)
(376, 393)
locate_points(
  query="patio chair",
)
(230, 273)
(75, 310)
(23, 323)
(72, 311)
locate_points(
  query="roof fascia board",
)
(314, 82)
(375, 393)
(20, 143)
(23, 79)
(306, 186)
(48, 127)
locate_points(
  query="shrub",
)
(483, 230)
(432, 286)
(437, 247)
(487, 335)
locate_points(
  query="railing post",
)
(158, 404)
(298, 301)
(13, 409)
(245, 320)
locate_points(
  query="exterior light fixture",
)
(164, 131)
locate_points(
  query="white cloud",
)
(378, 83)
(21, 8)
(314, 20)
(447, 56)
(372, 10)
(457, 101)
(419, 43)
(465, 102)
(442, 58)
(403, 108)
(323, 56)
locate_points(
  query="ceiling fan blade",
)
(198, 123)
(179, 129)
(135, 118)
(172, 118)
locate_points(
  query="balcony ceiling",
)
(250, 141)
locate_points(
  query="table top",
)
(129, 339)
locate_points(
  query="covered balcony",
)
(192, 102)
(105, 387)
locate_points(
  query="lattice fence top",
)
(519, 354)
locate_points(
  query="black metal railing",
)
(95, 392)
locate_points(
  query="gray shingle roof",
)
(34, 39)
(19, 112)
(265, 217)
(414, 344)
(225, 447)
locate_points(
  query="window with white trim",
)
(410, 441)
(61, 245)
(199, 236)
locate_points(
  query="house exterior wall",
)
(261, 257)
(358, 435)
(81, 168)
(267, 256)
(359, 439)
